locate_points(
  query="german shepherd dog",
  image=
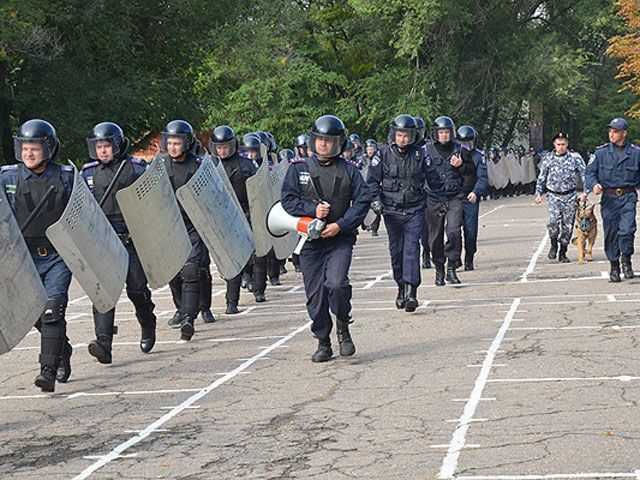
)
(586, 229)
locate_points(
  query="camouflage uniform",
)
(560, 178)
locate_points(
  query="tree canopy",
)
(500, 65)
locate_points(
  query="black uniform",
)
(238, 169)
(99, 176)
(447, 218)
(185, 286)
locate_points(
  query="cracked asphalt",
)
(464, 387)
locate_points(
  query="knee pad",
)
(54, 311)
(191, 272)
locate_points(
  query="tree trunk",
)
(6, 143)
(512, 125)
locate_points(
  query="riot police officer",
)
(326, 186)
(422, 130)
(286, 155)
(224, 144)
(181, 164)
(424, 238)
(455, 167)
(615, 173)
(36, 147)
(108, 150)
(357, 144)
(397, 176)
(468, 136)
(561, 172)
(370, 151)
(301, 146)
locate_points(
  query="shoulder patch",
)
(604, 145)
(9, 168)
(138, 161)
(90, 165)
(299, 160)
(634, 146)
(375, 161)
(464, 147)
(67, 168)
(480, 151)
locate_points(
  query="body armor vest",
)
(337, 192)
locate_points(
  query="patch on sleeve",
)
(11, 189)
(375, 161)
(304, 178)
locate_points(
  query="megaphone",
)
(280, 223)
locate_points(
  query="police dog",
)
(586, 229)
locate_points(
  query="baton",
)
(36, 210)
(112, 184)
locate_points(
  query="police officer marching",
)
(397, 177)
(468, 136)
(224, 144)
(561, 172)
(181, 163)
(455, 167)
(326, 186)
(36, 146)
(615, 173)
(108, 149)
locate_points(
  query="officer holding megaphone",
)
(328, 187)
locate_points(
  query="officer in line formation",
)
(512, 172)
(614, 173)
(561, 175)
(397, 177)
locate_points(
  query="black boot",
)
(187, 329)
(347, 348)
(553, 251)
(232, 308)
(176, 320)
(260, 297)
(323, 353)
(426, 261)
(411, 302)
(147, 335)
(64, 370)
(52, 340)
(562, 256)
(452, 277)
(439, 281)
(614, 274)
(275, 282)
(100, 348)
(400, 298)
(468, 263)
(207, 316)
(627, 269)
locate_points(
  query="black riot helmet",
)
(286, 155)
(468, 134)
(108, 132)
(371, 143)
(422, 128)
(349, 149)
(301, 145)
(328, 126)
(180, 129)
(251, 142)
(264, 138)
(273, 145)
(355, 139)
(442, 123)
(40, 132)
(404, 123)
(223, 135)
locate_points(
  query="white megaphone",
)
(280, 223)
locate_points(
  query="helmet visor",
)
(404, 137)
(225, 149)
(103, 149)
(326, 146)
(171, 138)
(32, 148)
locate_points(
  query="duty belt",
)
(42, 250)
(618, 192)
(566, 192)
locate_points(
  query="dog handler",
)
(561, 174)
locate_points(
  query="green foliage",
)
(277, 65)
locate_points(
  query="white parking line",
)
(619, 378)
(491, 211)
(120, 449)
(552, 476)
(534, 259)
(450, 462)
(376, 280)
